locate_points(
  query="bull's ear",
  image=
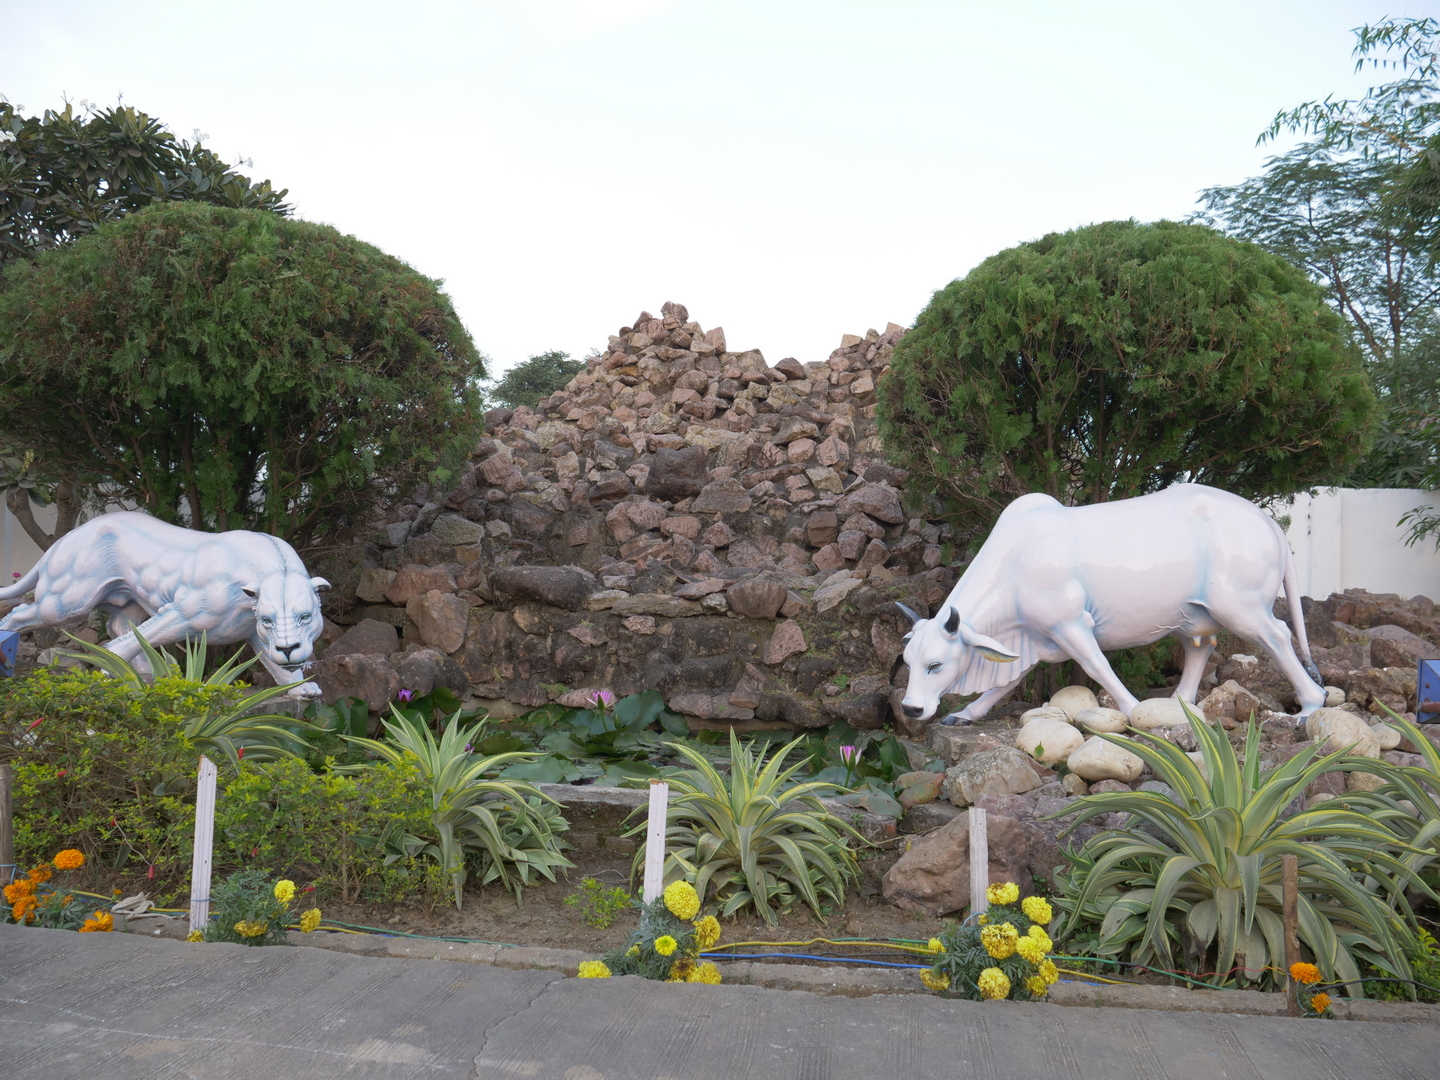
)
(319, 584)
(952, 621)
(986, 646)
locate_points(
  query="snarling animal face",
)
(939, 653)
(287, 617)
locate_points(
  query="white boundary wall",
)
(1347, 538)
(17, 551)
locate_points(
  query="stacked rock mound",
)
(680, 517)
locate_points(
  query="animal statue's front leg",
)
(285, 676)
(1078, 642)
(977, 709)
(165, 626)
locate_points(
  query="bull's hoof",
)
(956, 718)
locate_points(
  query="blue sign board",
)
(9, 642)
(1428, 709)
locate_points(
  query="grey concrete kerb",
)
(821, 978)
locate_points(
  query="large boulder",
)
(933, 876)
(1074, 700)
(1100, 759)
(566, 587)
(1158, 713)
(373, 679)
(1004, 771)
(1048, 740)
(1340, 729)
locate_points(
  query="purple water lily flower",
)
(602, 699)
(848, 755)
(404, 696)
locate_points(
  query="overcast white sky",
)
(791, 171)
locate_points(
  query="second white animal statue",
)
(1053, 582)
(172, 583)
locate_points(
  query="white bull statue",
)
(171, 583)
(1052, 582)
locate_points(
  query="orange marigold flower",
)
(1305, 973)
(16, 889)
(101, 922)
(41, 874)
(70, 859)
(23, 910)
(1320, 1002)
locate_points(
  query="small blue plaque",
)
(9, 642)
(1428, 710)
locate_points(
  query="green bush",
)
(1117, 359)
(1200, 871)
(106, 767)
(339, 832)
(755, 838)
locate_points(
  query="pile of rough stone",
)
(680, 517)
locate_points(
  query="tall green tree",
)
(1357, 204)
(62, 174)
(235, 369)
(1117, 359)
(538, 377)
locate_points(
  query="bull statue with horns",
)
(1053, 582)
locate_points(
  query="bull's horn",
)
(952, 621)
(910, 614)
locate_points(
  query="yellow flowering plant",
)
(667, 944)
(1003, 954)
(248, 909)
(40, 899)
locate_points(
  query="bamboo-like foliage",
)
(229, 726)
(1202, 869)
(509, 827)
(755, 838)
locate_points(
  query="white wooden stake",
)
(655, 841)
(979, 861)
(204, 845)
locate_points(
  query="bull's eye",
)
(931, 669)
(303, 617)
(267, 620)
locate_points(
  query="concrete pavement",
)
(116, 1006)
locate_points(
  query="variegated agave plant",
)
(1195, 880)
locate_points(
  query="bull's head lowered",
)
(939, 654)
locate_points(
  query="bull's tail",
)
(1297, 612)
(23, 585)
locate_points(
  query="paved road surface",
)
(115, 1006)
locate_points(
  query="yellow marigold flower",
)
(1037, 986)
(1049, 972)
(1037, 934)
(633, 950)
(250, 928)
(1030, 949)
(195, 935)
(682, 899)
(70, 859)
(1000, 941)
(1320, 1002)
(100, 922)
(681, 970)
(1037, 909)
(935, 980)
(593, 969)
(705, 972)
(983, 920)
(310, 920)
(707, 931)
(1007, 893)
(40, 874)
(285, 890)
(665, 944)
(16, 889)
(994, 984)
(1305, 973)
(935, 945)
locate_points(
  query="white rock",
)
(1048, 740)
(1336, 729)
(1334, 696)
(1098, 759)
(1102, 719)
(1074, 699)
(1047, 712)
(1387, 736)
(1158, 713)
